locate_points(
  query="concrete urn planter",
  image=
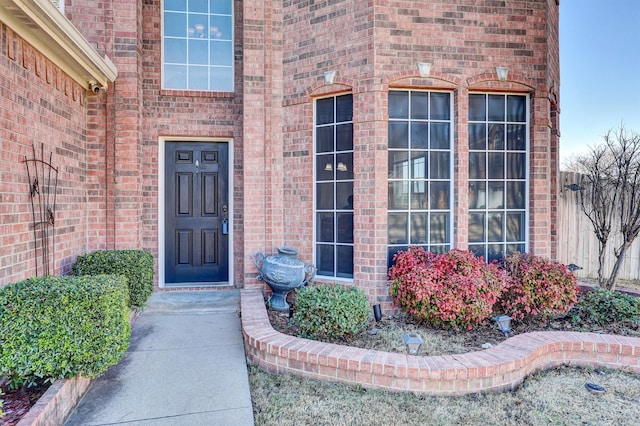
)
(283, 272)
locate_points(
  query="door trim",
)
(160, 207)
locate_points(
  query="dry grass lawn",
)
(556, 397)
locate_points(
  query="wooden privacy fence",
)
(577, 241)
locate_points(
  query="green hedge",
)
(330, 311)
(136, 265)
(60, 327)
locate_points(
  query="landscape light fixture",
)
(377, 313)
(574, 187)
(573, 267)
(329, 76)
(504, 324)
(502, 73)
(424, 68)
(412, 341)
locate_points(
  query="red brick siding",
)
(44, 107)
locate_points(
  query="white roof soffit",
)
(42, 25)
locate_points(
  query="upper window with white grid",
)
(498, 170)
(420, 171)
(334, 186)
(198, 45)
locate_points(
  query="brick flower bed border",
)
(501, 367)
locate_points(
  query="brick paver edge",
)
(502, 367)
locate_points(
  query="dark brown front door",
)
(196, 213)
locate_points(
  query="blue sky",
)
(600, 70)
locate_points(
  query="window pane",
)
(325, 167)
(477, 108)
(221, 79)
(175, 5)
(496, 165)
(398, 104)
(324, 226)
(496, 137)
(399, 195)
(516, 108)
(175, 76)
(515, 227)
(494, 252)
(345, 261)
(397, 228)
(324, 196)
(344, 166)
(345, 227)
(515, 248)
(420, 105)
(221, 53)
(392, 251)
(344, 108)
(419, 165)
(324, 139)
(440, 106)
(516, 137)
(496, 108)
(477, 195)
(324, 259)
(440, 136)
(419, 195)
(198, 78)
(324, 111)
(419, 135)
(476, 227)
(344, 137)
(419, 228)
(344, 190)
(197, 26)
(222, 7)
(220, 28)
(440, 195)
(516, 195)
(198, 52)
(516, 163)
(440, 228)
(198, 6)
(478, 136)
(175, 24)
(477, 165)
(495, 226)
(439, 166)
(496, 195)
(398, 165)
(478, 250)
(398, 134)
(175, 51)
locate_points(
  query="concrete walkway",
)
(185, 366)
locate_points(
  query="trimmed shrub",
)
(60, 327)
(330, 311)
(600, 306)
(453, 289)
(136, 265)
(537, 287)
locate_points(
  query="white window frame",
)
(486, 209)
(162, 60)
(425, 183)
(335, 276)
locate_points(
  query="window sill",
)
(197, 94)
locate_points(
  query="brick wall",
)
(42, 107)
(374, 46)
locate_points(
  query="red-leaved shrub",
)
(453, 289)
(537, 287)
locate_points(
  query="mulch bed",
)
(18, 402)
(468, 341)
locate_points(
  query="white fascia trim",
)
(42, 25)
